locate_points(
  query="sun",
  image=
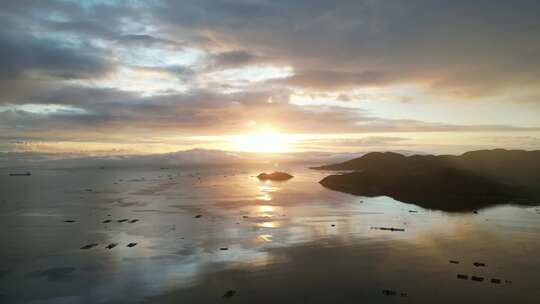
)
(265, 141)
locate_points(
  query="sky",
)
(105, 77)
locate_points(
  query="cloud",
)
(331, 80)
(33, 57)
(432, 43)
(234, 59)
(200, 112)
(146, 41)
(349, 43)
(110, 71)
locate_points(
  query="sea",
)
(219, 234)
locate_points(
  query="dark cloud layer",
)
(434, 41)
(234, 59)
(24, 57)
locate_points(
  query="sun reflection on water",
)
(265, 237)
(266, 209)
(264, 192)
(264, 197)
(272, 224)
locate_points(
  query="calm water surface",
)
(270, 242)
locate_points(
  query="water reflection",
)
(268, 224)
(266, 237)
(265, 191)
(300, 233)
(266, 209)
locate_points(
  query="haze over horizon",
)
(106, 77)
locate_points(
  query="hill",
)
(454, 183)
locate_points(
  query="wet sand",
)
(286, 242)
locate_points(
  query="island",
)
(275, 176)
(466, 182)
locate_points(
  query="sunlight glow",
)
(266, 141)
(266, 208)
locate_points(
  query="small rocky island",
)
(275, 176)
(446, 182)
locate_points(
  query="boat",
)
(20, 174)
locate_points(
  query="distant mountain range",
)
(447, 182)
(188, 158)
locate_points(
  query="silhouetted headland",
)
(452, 183)
(275, 176)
